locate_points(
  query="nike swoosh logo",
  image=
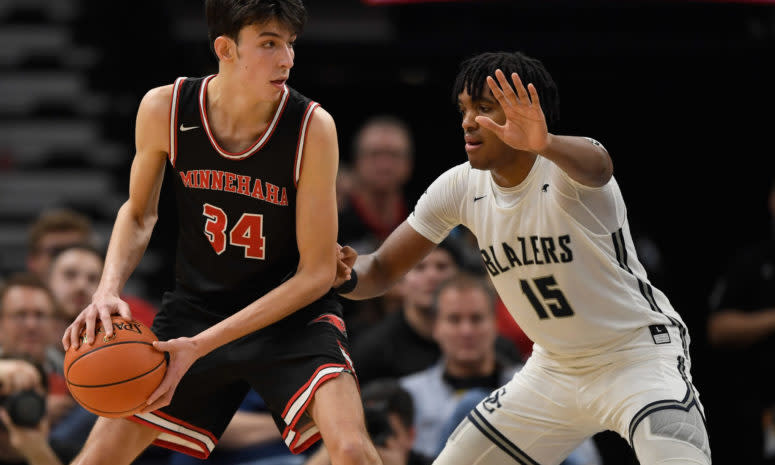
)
(480, 198)
(184, 128)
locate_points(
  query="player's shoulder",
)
(156, 102)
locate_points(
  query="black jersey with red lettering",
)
(236, 211)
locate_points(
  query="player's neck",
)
(515, 171)
(233, 109)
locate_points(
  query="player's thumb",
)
(487, 123)
(162, 346)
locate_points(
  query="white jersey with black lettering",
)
(560, 256)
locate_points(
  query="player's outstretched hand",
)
(345, 260)
(101, 307)
(183, 354)
(525, 126)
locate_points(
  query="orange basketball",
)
(114, 377)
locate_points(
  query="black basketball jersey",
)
(236, 211)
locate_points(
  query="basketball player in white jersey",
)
(610, 351)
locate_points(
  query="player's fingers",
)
(521, 92)
(91, 322)
(508, 92)
(107, 323)
(124, 311)
(75, 332)
(348, 251)
(496, 91)
(533, 95)
(66, 339)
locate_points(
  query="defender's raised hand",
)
(525, 125)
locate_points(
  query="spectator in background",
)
(23, 444)
(51, 231)
(469, 370)
(389, 412)
(382, 164)
(27, 312)
(371, 204)
(741, 329)
(403, 342)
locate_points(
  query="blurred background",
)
(680, 92)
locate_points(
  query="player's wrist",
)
(349, 285)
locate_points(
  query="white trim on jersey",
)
(177, 428)
(302, 136)
(174, 120)
(258, 144)
(302, 399)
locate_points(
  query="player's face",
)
(465, 326)
(485, 150)
(265, 57)
(27, 322)
(74, 277)
(421, 281)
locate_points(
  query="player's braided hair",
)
(474, 71)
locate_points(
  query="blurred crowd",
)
(425, 353)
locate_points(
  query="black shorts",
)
(285, 363)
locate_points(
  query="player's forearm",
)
(305, 287)
(736, 328)
(583, 160)
(128, 241)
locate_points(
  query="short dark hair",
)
(228, 17)
(390, 393)
(465, 281)
(473, 72)
(30, 280)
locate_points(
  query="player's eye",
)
(268, 44)
(484, 108)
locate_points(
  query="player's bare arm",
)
(135, 219)
(525, 129)
(378, 271)
(316, 230)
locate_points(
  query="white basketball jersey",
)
(574, 286)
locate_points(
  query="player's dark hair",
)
(228, 17)
(473, 72)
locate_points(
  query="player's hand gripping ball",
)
(114, 376)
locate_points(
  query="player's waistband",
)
(220, 305)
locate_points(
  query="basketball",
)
(114, 377)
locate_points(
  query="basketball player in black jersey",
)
(255, 165)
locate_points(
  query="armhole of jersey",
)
(174, 104)
(300, 144)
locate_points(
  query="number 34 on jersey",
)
(247, 232)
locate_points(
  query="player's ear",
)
(224, 48)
